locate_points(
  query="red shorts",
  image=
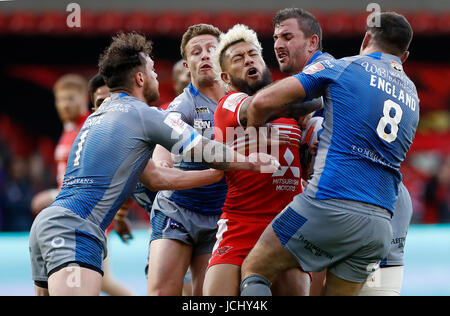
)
(235, 239)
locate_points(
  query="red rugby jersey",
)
(62, 150)
(259, 194)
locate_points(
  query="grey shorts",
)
(348, 238)
(59, 237)
(171, 221)
(400, 223)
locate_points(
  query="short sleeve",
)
(170, 131)
(314, 78)
(185, 107)
(227, 115)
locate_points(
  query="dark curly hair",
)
(123, 58)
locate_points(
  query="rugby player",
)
(293, 28)
(98, 92)
(110, 154)
(184, 222)
(253, 200)
(372, 118)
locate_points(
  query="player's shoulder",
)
(231, 101)
(184, 101)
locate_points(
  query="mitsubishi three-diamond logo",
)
(289, 157)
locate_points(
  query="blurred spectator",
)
(437, 195)
(71, 101)
(15, 196)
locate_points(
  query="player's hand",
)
(42, 200)
(164, 163)
(303, 121)
(264, 163)
(304, 184)
(273, 137)
(122, 228)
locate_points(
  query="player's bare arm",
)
(158, 178)
(296, 108)
(223, 157)
(272, 99)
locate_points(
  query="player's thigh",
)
(293, 282)
(268, 257)
(199, 264)
(40, 291)
(74, 280)
(318, 283)
(336, 286)
(222, 280)
(167, 266)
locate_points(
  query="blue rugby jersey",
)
(371, 116)
(144, 197)
(198, 110)
(111, 151)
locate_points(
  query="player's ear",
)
(314, 42)
(404, 56)
(365, 42)
(225, 78)
(185, 64)
(139, 79)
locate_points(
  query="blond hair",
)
(238, 33)
(197, 30)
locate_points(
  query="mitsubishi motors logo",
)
(289, 157)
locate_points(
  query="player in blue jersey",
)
(184, 223)
(342, 221)
(109, 156)
(294, 31)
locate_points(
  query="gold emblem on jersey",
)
(396, 66)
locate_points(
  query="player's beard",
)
(151, 94)
(250, 89)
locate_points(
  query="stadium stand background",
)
(37, 47)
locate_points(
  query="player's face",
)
(69, 104)
(290, 47)
(198, 59)
(100, 95)
(151, 84)
(246, 69)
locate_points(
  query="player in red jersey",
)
(253, 200)
(71, 101)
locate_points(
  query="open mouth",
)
(252, 72)
(206, 67)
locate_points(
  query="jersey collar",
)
(380, 55)
(193, 90)
(313, 57)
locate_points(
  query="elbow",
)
(258, 104)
